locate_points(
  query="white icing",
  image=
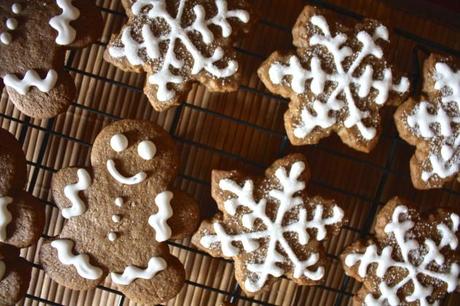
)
(119, 143)
(6, 38)
(119, 202)
(30, 79)
(156, 10)
(12, 23)
(431, 264)
(159, 220)
(5, 216)
(81, 262)
(131, 273)
(2, 269)
(325, 113)
(133, 180)
(71, 193)
(274, 232)
(146, 149)
(116, 218)
(61, 23)
(16, 8)
(112, 236)
(440, 124)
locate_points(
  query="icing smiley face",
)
(146, 150)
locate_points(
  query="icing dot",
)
(11, 23)
(112, 236)
(119, 142)
(146, 149)
(16, 8)
(5, 38)
(119, 202)
(116, 218)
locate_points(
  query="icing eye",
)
(146, 149)
(119, 142)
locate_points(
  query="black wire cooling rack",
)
(386, 168)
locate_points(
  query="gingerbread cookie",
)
(22, 218)
(178, 42)
(412, 260)
(270, 226)
(34, 36)
(337, 80)
(119, 215)
(432, 124)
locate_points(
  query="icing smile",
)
(133, 180)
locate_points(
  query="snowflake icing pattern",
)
(278, 252)
(416, 259)
(349, 101)
(169, 69)
(440, 125)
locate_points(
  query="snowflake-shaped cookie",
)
(22, 218)
(180, 41)
(337, 80)
(269, 226)
(34, 36)
(433, 124)
(120, 214)
(412, 261)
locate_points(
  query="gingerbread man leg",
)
(14, 275)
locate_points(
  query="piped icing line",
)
(150, 44)
(5, 216)
(133, 180)
(31, 79)
(81, 262)
(131, 273)
(61, 23)
(71, 193)
(400, 229)
(2, 269)
(243, 196)
(159, 220)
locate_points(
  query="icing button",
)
(112, 236)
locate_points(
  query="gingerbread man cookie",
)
(34, 36)
(180, 41)
(270, 226)
(432, 124)
(22, 218)
(120, 214)
(412, 260)
(337, 80)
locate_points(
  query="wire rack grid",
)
(250, 136)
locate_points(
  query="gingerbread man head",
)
(119, 215)
(21, 220)
(34, 36)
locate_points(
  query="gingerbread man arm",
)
(70, 188)
(28, 219)
(186, 216)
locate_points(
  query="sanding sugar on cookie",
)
(432, 124)
(34, 37)
(337, 80)
(269, 226)
(413, 260)
(119, 214)
(22, 218)
(178, 42)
